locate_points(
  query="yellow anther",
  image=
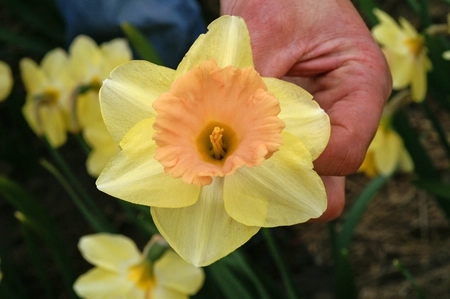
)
(218, 147)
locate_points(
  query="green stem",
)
(143, 223)
(344, 237)
(96, 221)
(84, 146)
(36, 258)
(73, 179)
(280, 263)
(425, 13)
(410, 278)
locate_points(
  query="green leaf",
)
(437, 78)
(25, 42)
(43, 16)
(92, 216)
(435, 187)
(422, 163)
(42, 223)
(36, 256)
(229, 284)
(366, 8)
(140, 43)
(419, 292)
(236, 279)
(414, 5)
(345, 283)
(344, 237)
(11, 285)
(424, 13)
(280, 263)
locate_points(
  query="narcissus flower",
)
(216, 150)
(6, 80)
(49, 89)
(386, 153)
(405, 52)
(96, 135)
(90, 64)
(122, 271)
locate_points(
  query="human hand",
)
(327, 49)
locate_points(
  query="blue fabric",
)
(170, 25)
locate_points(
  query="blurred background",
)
(403, 221)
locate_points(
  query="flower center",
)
(216, 142)
(218, 147)
(142, 276)
(415, 45)
(49, 97)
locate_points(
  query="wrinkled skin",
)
(327, 49)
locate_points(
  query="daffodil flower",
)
(6, 80)
(49, 88)
(216, 150)
(405, 52)
(90, 64)
(102, 146)
(121, 271)
(386, 153)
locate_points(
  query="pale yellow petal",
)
(388, 33)
(419, 78)
(103, 147)
(174, 273)
(204, 232)
(33, 77)
(387, 157)
(6, 80)
(102, 284)
(55, 63)
(54, 125)
(28, 111)
(283, 190)
(303, 116)
(446, 55)
(88, 109)
(134, 175)
(227, 42)
(85, 59)
(406, 164)
(402, 68)
(128, 96)
(160, 292)
(115, 52)
(408, 28)
(99, 158)
(111, 252)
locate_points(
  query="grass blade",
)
(140, 43)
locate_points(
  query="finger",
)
(335, 189)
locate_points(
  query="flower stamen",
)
(218, 147)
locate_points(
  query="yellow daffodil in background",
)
(446, 55)
(405, 52)
(49, 87)
(6, 80)
(122, 271)
(217, 151)
(90, 64)
(103, 147)
(1, 274)
(386, 153)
